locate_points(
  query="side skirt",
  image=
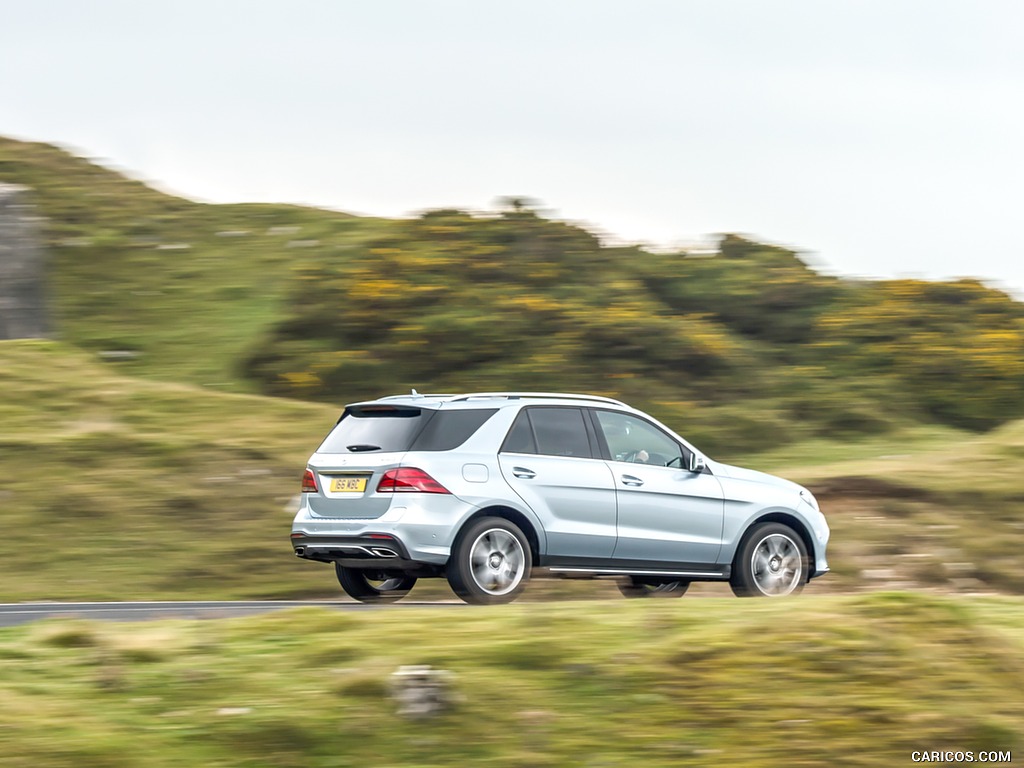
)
(580, 568)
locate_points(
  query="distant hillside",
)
(182, 287)
(744, 349)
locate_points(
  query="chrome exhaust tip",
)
(382, 552)
(300, 551)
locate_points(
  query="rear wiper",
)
(362, 447)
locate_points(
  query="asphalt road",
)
(20, 613)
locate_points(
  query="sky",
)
(881, 138)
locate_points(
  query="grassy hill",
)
(748, 346)
(184, 286)
(857, 681)
(115, 487)
(118, 488)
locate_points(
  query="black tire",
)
(771, 561)
(643, 586)
(374, 587)
(490, 562)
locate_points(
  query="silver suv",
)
(484, 488)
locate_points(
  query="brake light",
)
(409, 480)
(309, 482)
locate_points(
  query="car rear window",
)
(560, 432)
(384, 428)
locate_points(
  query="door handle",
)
(523, 473)
(631, 480)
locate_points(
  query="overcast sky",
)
(882, 136)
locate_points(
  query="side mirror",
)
(696, 463)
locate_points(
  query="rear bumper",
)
(372, 548)
(418, 528)
(372, 553)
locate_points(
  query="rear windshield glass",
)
(372, 429)
(380, 429)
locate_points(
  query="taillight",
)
(409, 480)
(309, 482)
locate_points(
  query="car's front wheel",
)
(490, 562)
(638, 586)
(772, 561)
(372, 587)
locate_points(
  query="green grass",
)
(856, 680)
(932, 508)
(189, 313)
(115, 487)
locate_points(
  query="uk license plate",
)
(348, 484)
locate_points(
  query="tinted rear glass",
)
(450, 429)
(520, 437)
(380, 429)
(560, 432)
(376, 429)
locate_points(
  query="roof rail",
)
(413, 396)
(539, 396)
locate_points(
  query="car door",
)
(666, 513)
(550, 460)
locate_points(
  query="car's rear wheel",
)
(639, 586)
(374, 587)
(490, 562)
(772, 561)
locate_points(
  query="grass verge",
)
(855, 680)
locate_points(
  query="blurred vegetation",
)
(869, 678)
(745, 348)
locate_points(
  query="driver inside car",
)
(618, 436)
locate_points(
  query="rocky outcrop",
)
(22, 301)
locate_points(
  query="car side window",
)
(635, 440)
(560, 432)
(520, 437)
